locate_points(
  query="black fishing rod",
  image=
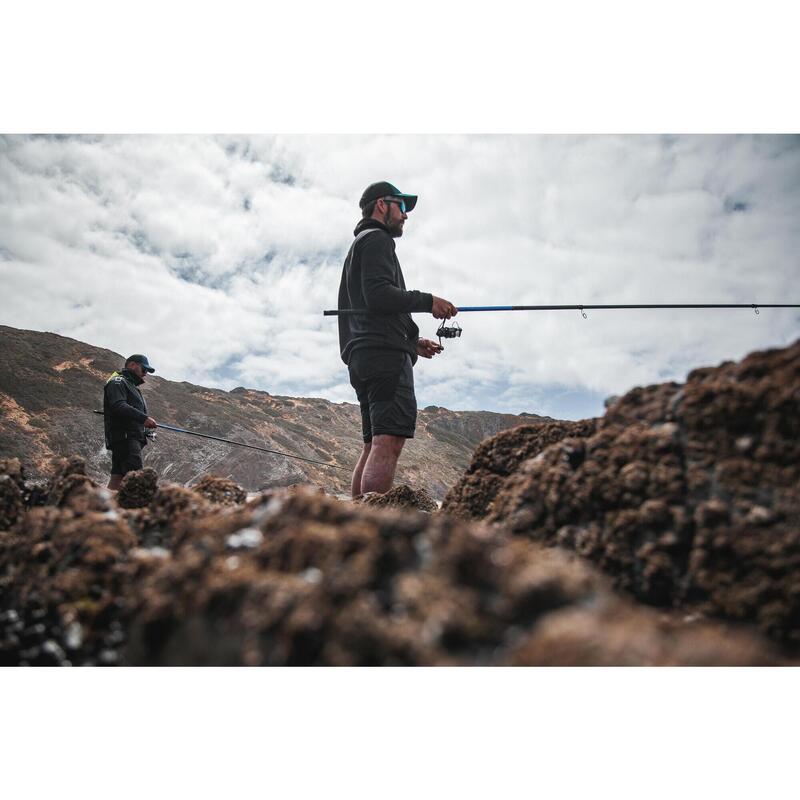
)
(335, 312)
(243, 444)
(454, 331)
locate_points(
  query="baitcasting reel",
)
(444, 332)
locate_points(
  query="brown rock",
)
(500, 456)
(686, 495)
(220, 490)
(71, 487)
(65, 571)
(618, 635)
(311, 580)
(295, 577)
(138, 488)
(170, 510)
(400, 497)
(12, 486)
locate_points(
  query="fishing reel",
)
(445, 332)
(150, 434)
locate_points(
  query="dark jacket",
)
(124, 408)
(372, 280)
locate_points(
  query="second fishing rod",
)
(244, 444)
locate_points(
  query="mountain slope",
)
(50, 384)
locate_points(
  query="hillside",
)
(50, 384)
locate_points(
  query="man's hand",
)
(443, 309)
(428, 349)
(150, 423)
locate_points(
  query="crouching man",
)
(125, 415)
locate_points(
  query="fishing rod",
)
(243, 444)
(335, 312)
(454, 331)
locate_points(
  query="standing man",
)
(125, 416)
(381, 346)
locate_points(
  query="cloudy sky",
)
(215, 255)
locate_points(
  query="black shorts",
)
(126, 456)
(384, 384)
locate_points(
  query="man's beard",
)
(396, 229)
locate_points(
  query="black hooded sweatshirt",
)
(372, 280)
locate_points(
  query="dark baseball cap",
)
(385, 189)
(140, 359)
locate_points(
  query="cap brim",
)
(149, 369)
(410, 200)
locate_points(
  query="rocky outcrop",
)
(137, 488)
(311, 580)
(296, 577)
(687, 495)
(500, 456)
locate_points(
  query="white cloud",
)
(220, 253)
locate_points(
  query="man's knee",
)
(387, 443)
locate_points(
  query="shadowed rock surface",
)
(297, 577)
(688, 495)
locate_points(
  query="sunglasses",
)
(401, 203)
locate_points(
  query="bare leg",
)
(355, 486)
(381, 463)
(114, 483)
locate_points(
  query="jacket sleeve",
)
(115, 393)
(378, 281)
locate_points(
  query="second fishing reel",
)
(451, 332)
